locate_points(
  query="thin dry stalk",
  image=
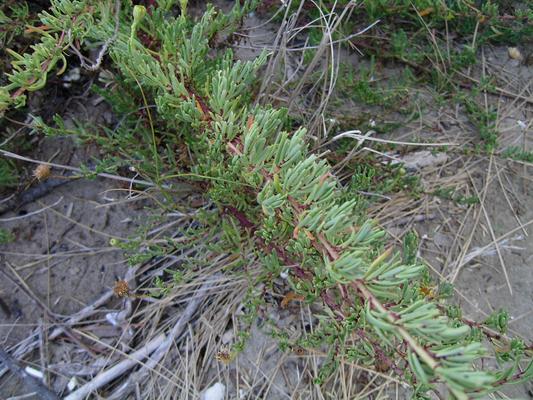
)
(33, 384)
(118, 370)
(164, 347)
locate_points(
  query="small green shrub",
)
(8, 174)
(6, 236)
(273, 198)
(516, 153)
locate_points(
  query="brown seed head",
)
(224, 355)
(427, 291)
(299, 351)
(42, 172)
(121, 289)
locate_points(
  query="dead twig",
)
(31, 383)
(32, 342)
(118, 370)
(78, 170)
(23, 286)
(163, 349)
(17, 204)
(96, 65)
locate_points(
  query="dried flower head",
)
(224, 355)
(299, 351)
(42, 172)
(121, 288)
(291, 296)
(427, 291)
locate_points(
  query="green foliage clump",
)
(272, 196)
(437, 42)
(516, 153)
(8, 174)
(65, 23)
(6, 236)
(13, 18)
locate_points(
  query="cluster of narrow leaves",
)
(66, 21)
(289, 205)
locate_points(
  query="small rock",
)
(227, 337)
(515, 54)
(108, 117)
(421, 159)
(215, 392)
(72, 75)
(441, 240)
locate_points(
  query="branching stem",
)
(375, 303)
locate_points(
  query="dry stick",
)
(474, 227)
(32, 194)
(318, 55)
(104, 47)
(18, 204)
(496, 244)
(31, 343)
(42, 353)
(74, 169)
(119, 369)
(504, 191)
(33, 384)
(361, 138)
(164, 347)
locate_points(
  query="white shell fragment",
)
(215, 392)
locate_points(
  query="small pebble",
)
(515, 54)
(215, 392)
